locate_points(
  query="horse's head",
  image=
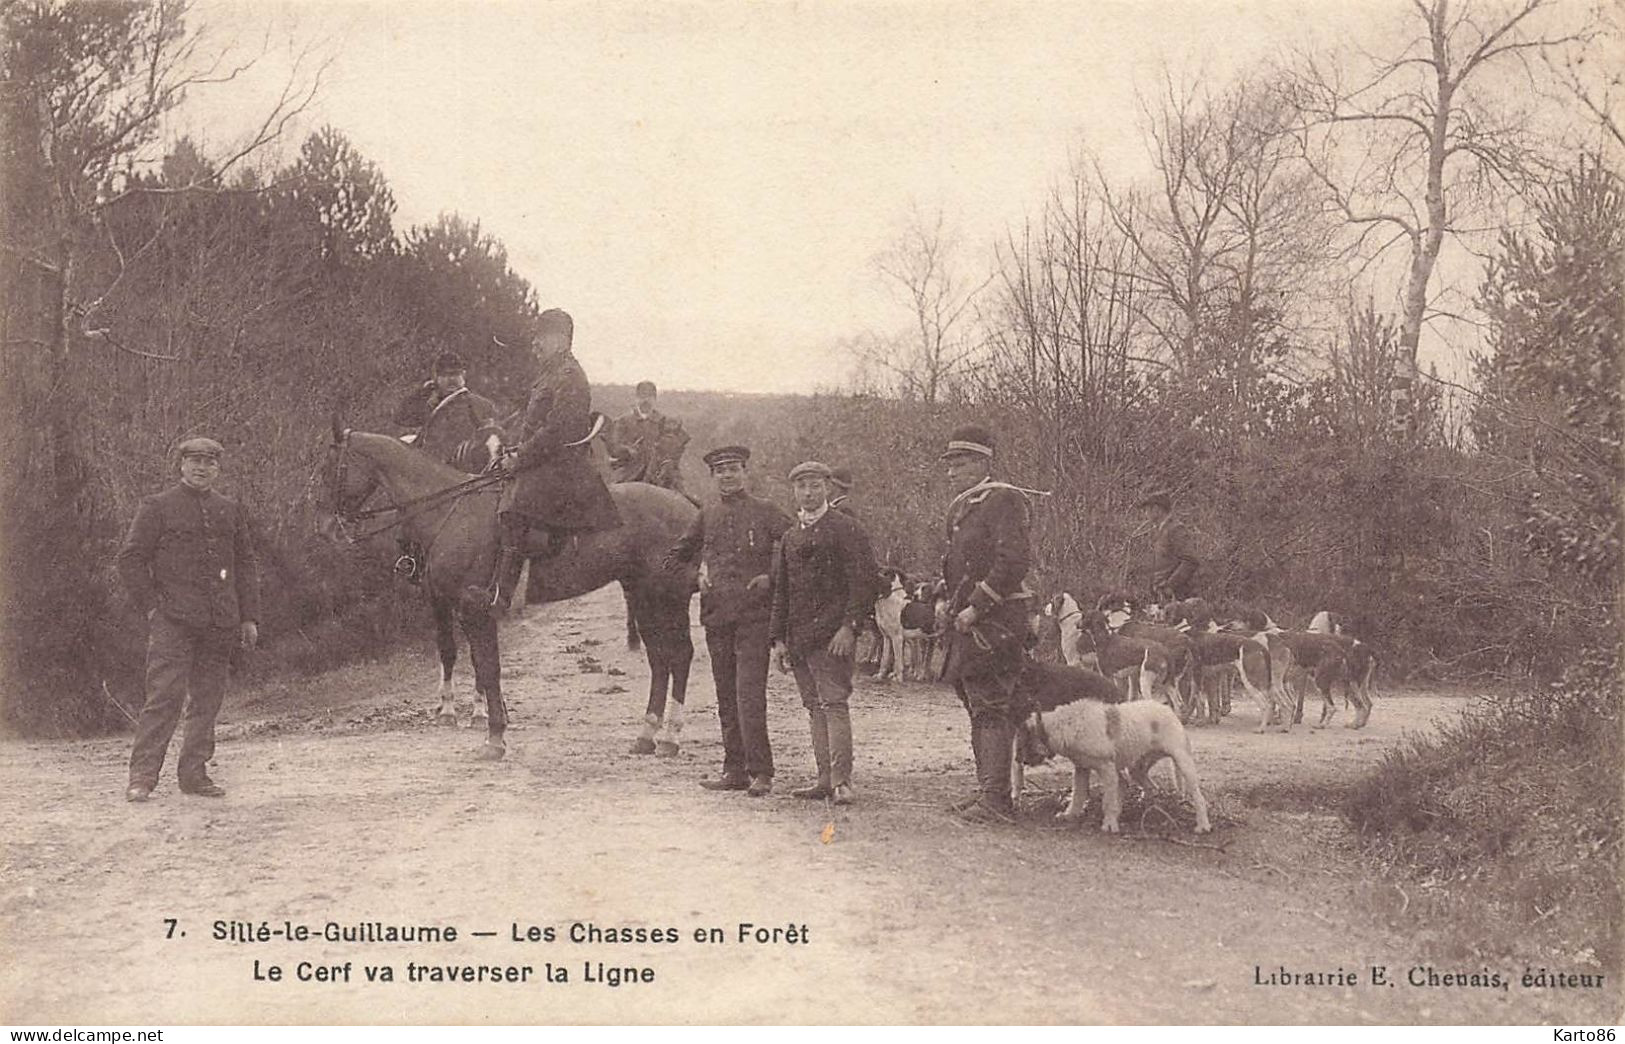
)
(347, 481)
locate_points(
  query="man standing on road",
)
(822, 591)
(734, 539)
(1174, 564)
(188, 563)
(985, 570)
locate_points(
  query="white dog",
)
(905, 649)
(1105, 737)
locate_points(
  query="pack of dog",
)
(1224, 658)
(1322, 655)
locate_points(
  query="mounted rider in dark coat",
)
(647, 445)
(452, 423)
(554, 485)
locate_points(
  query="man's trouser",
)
(739, 655)
(186, 666)
(991, 700)
(825, 682)
(511, 553)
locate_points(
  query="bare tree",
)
(1225, 230)
(1416, 144)
(921, 267)
(1592, 73)
(84, 90)
(1063, 320)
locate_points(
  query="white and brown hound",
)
(906, 617)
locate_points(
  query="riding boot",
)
(990, 745)
(504, 580)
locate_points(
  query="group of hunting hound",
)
(1181, 653)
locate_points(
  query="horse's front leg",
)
(481, 629)
(445, 637)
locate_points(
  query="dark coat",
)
(190, 555)
(555, 485)
(825, 578)
(989, 553)
(735, 539)
(1174, 564)
(451, 429)
(647, 449)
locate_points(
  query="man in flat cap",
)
(985, 570)
(555, 486)
(734, 539)
(823, 590)
(188, 563)
(453, 423)
(1174, 563)
(647, 445)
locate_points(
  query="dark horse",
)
(454, 518)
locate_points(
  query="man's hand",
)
(251, 635)
(758, 582)
(781, 657)
(843, 643)
(966, 619)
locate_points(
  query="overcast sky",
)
(704, 185)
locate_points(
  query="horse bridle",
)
(403, 510)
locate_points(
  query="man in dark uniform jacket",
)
(735, 538)
(453, 424)
(823, 588)
(188, 563)
(1174, 564)
(554, 485)
(985, 570)
(647, 445)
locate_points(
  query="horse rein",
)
(422, 504)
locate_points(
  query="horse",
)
(453, 517)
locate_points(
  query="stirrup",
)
(409, 568)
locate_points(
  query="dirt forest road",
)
(348, 805)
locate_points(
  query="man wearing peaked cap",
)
(969, 440)
(734, 539)
(200, 446)
(985, 570)
(823, 590)
(716, 458)
(188, 563)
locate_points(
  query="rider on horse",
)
(554, 485)
(647, 445)
(453, 423)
